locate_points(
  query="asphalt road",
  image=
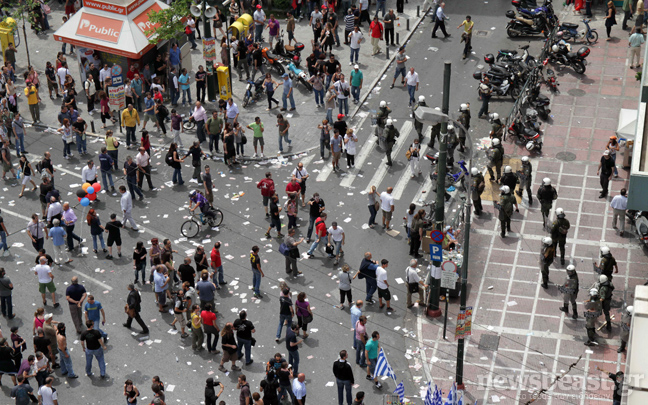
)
(162, 213)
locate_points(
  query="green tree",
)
(170, 20)
(23, 12)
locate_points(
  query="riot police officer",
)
(569, 290)
(391, 133)
(381, 118)
(626, 321)
(464, 120)
(505, 210)
(451, 142)
(496, 159)
(559, 230)
(592, 312)
(497, 128)
(436, 131)
(510, 179)
(546, 195)
(418, 125)
(525, 178)
(476, 189)
(607, 263)
(547, 253)
(605, 293)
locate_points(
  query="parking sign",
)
(436, 252)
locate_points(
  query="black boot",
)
(530, 200)
(575, 315)
(562, 260)
(565, 309)
(622, 348)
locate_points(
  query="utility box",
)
(7, 34)
(223, 76)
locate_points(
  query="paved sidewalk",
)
(536, 340)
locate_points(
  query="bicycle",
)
(191, 227)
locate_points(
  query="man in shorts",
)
(113, 227)
(387, 206)
(161, 282)
(149, 111)
(372, 348)
(336, 149)
(383, 285)
(257, 127)
(401, 69)
(45, 280)
(267, 188)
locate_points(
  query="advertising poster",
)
(209, 49)
(117, 97)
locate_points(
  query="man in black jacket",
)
(134, 309)
(344, 378)
(368, 272)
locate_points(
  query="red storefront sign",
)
(101, 28)
(113, 8)
(143, 22)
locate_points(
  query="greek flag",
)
(460, 400)
(382, 366)
(437, 400)
(452, 396)
(428, 395)
(400, 391)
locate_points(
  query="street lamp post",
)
(205, 11)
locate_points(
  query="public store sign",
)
(101, 28)
(143, 22)
(464, 324)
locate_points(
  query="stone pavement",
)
(536, 340)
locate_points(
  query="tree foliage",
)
(170, 20)
(22, 11)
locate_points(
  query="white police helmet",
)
(496, 141)
(474, 171)
(508, 169)
(383, 103)
(547, 240)
(546, 181)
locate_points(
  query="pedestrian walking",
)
(33, 99)
(605, 290)
(356, 313)
(130, 120)
(217, 266)
(506, 203)
(275, 220)
(69, 220)
(343, 377)
(367, 271)
(559, 230)
(613, 147)
(496, 158)
(287, 93)
(303, 312)
(293, 251)
(355, 39)
(58, 235)
(230, 349)
(96, 230)
(206, 290)
(336, 238)
(440, 21)
(286, 312)
(299, 389)
(196, 154)
(257, 130)
(133, 308)
(179, 317)
(466, 36)
(93, 345)
(387, 207)
(546, 195)
(344, 286)
(377, 32)
(593, 309)
(131, 171)
(372, 348)
(412, 80)
(383, 285)
(292, 345)
(64, 355)
(634, 43)
(619, 205)
(94, 311)
(197, 335)
(244, 330)
(6, 288)
(569, 290)
(161, 284)
(320, 232)
(45, 281)
(76, 295)
(257, 272)
(210, 328)
(139, 261)
(113, 228)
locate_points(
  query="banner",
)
(117, 97)
(209, 49)
(468, 322)
(464, 323)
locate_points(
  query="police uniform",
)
(547, 254)
(464, 119)
(626, 321)
(607, 265)
(569, 290)
(391, 133)
(476, 190)
(496, 159)
(435, 134)
(593, 310)
(505, 212)
(525, 180)
(451, 143)
(510, 179)
(605, 293)
(559, 230)
(496, 129)
(418, 125)
(546, 195)
(381, 119)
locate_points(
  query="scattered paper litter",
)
(329, 384)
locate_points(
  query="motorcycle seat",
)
(525, 47)
(572, 55)
(271, 55)
(542, 98)
(259, 82)
(509, 51)
(643, 228)
(570, 26)
(289, 48)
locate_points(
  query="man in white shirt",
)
(103, 75)
(127, 207)
(200, 117)
(55, 210)
(342, 88)
(412, 79)
(61, 73)
(387, 206)
(143, 161)
(46, 394)
(355, 38)
(619, 206)
(383, 285)
(302, 176)
(259, 22)
(299, 389)
(45, 280)
(90, 91)
(232, 111)
(414, 283)
(336, 236)
(89, 173)
(37, 232)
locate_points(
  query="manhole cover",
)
(489, 342)
(566, 156)
(576, 92)
(482, 33)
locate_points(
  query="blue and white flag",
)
(452, 396)
(437, 400)
(400, 391)
(382, 366)
(428, 395)
(460, 400)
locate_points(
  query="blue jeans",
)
(411, 90)
(329, 115)
(314, 246)
(344, 385)
(256, 281)
(372, 214)
(213, 142)
(319, 96)
(7, 307)
(20, 143)
(248, 349)
(177, 176)
(132, 186)
(66, 363)
(104, 175)
(360, 353)
(258, 32)
(283, 138)
(324, 144)
(81, 144)
(219, 271)
(188, 94)
(380, 5)
(616, 171)
(97, 324)
(67, 149)
(282, 320)
(192, 39)
(141, 268)
(355, 92)
(284, 98)
(293, 359)
(311, 223)
(344, 103)
(372, 286)
(99, 354)
(174, 94)
(338, 247)
(46, 25)
(3, 241)
(355, 52)
(94, 241)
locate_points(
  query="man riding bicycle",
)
(196, 197)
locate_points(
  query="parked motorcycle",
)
(511, 55)
(570, 31)
(272, 60)
(639, 219)
(546, 9)
(253, 91)
(561, 53)
(539, 102)
(524, 26)
(289, 52)
(298, 74)
(550, 80)
(525, 132)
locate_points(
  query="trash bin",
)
(224, 89)
(627, 154)
(7, 33)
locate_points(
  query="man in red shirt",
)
(293, 188)
(267, 188)
(376, 28)
(217, 265)
(320, 232)
(132, 72)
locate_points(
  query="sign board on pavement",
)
(436, 252)
(448, 274)
(117, 97)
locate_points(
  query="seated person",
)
(449, 241)
(196, 197)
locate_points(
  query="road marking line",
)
(572, 240)
(423, 191)
(365, 151)
(58, 169)
(381, 171)
(406, 177)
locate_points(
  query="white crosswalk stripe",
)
(424, 192)
(404, 179)
(326, 171)
(381, 171)
(365, 151)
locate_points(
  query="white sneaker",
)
(262, 155)
(350, 63)
(71, 155)
(255, 155)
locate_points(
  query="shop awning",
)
(109, 31)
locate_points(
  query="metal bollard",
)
(407, 25)
(418, 11)
(92, 127)
(397, 39)
(387, 51)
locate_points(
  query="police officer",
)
(607, 263)
(451, 141)
(381, 118)
(497, 128)
(569, 290)
(496, 159)
(605, 293)
(505, 210)
(418, 125)
(547, 253)
(559, 230)
(464, 120)
(592, 312)
(510, 179)
(436, 131)
(546, 195)
(525, 178)
(476, 189)
(626, 320)
(391, 133)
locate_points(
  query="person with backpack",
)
(286, 314)
(320, 232)
(161, 112)
(172, 159)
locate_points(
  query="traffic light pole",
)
(211, 77)
(439, 211)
